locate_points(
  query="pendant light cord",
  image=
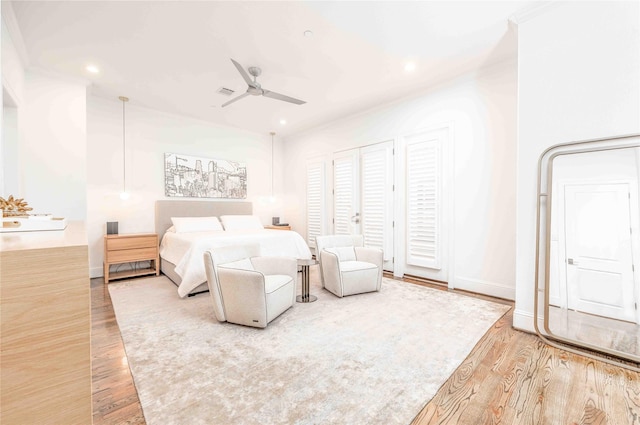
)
(124, 151)
(272, 134)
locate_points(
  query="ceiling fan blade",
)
(242, 72)
(274, 95)
(235, 98)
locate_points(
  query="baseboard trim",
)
(96, 272)
(523, 321)
(484, 287)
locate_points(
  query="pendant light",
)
(272, 198)
(124, 195)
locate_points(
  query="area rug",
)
(374, 358)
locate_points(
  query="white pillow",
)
(244, 264)
(344, 253)
(196, 224)
(241, 222)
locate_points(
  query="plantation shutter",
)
(377, 194)
(315, 201)
(423, 199)
(344, 191)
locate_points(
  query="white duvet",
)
(186, 250)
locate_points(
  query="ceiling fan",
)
(256, 89)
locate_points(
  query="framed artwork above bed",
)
(195, 177)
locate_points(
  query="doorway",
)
(596, 236)
(363, 196)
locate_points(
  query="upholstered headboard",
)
(165, 209)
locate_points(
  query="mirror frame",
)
(543, 245)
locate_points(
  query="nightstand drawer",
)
(128, 255)
(131, 243)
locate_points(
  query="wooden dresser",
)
(120, 249)
(45, 309)
(278, 227)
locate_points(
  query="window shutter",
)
(423, 199)
(377, 195)
(344, 178)
(315, 201)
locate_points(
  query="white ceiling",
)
(173, 55)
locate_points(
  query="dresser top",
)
(74, 235)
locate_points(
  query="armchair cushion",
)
(274, 282)
(350, 266)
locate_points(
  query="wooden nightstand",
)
(278, 227)
(120, 249)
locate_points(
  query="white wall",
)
(9, 153)
(12, 65)
(481, 107)
(578, 79)
(44, 144)
(12, 72)
(53, 135)
(149, 134)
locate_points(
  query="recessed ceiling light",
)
(92, 69)
(308, 33)
(283, 122)
(409, 66)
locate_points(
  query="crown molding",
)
(532, 11)
(59, 76)
(9, 19)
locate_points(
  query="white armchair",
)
(346, 266)
(248, 289)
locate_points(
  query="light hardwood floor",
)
(510, 377)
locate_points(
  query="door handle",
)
(572, 262)
(355, 218)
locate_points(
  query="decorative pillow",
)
(241, 222)
(344, 253)
(171, 229)
(196, 224)
(244, 264)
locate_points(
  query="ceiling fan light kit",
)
(254, 88)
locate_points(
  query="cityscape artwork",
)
(192, 177)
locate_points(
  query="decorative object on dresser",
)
(15, 217)
(133, 248)
(193, 177)
(45, 327)
(12, 207)
(112, 227)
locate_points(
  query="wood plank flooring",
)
(115, 399)
(510, 377)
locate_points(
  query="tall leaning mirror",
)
(588, 248)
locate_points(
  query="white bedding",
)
(186, 250)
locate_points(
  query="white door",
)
(599, 265)
(363, 196)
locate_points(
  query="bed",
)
(181, 252)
